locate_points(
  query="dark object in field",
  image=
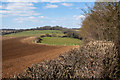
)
(38, 40)
(64, 36)
(81, 38)
(97, 59)
(48, 35)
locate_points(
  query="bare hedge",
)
(97, 59)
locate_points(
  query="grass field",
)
(37, 33)
(61, 41)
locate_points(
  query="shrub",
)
(48, 35)
(72, 33)
(38, 40)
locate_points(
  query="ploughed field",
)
(18, 53)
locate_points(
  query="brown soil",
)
(18, 53)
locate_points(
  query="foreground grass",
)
(61, 41)
(37, 33)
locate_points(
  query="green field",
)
(60, 41)
(37, 33)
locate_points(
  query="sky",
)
(24, 15)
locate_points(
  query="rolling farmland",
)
(19, 50)
(36, 33)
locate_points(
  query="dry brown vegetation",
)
(102, 22)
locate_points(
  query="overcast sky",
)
(18, 15)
